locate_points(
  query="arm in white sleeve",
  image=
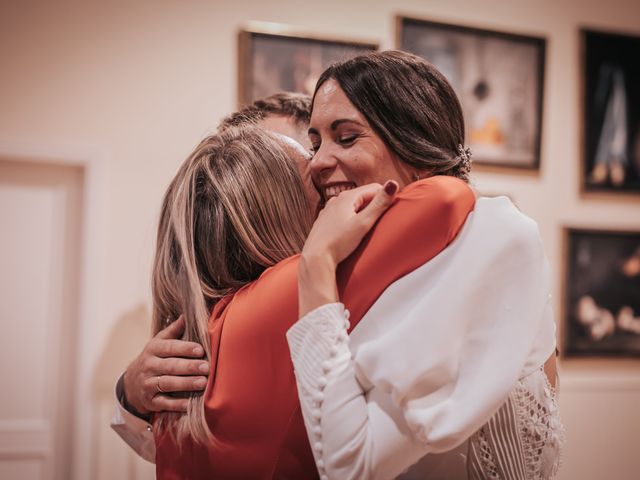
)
(351, 437)
(135, 431)
(445, 344)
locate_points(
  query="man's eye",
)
(314, 148)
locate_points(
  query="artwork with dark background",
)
(611, 111)
(273, 63)
(499, 80)
(602, 293)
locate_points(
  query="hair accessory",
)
(463, 162)
(464, 154)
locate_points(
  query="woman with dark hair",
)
(406, 102)
(457, 359)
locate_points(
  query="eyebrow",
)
(335, 125)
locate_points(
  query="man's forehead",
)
(287, 126)
(294, 144)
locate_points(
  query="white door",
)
(40, 228)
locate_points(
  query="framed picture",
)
(280, 60)
(602, 293)
(499, 80)
(611, 112)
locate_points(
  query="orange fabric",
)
(251, 400)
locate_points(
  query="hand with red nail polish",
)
(338, 230)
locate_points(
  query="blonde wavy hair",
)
(236, 206)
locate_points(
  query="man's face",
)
(300, 141)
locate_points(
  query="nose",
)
(322, 163)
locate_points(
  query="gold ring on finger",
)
(160, 390)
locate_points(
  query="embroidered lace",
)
(537, 429)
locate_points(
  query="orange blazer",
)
(251, 402)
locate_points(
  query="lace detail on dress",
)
(524, 438)
(540, 428)
(487, 460)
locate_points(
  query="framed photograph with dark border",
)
(274, 59)
(499, 78)
(602, 293)
(611, 112)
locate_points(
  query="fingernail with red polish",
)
(390, 187)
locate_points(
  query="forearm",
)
(316, 282)
(351, 436)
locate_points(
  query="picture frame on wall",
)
(602, 293)
(611, 112)
(279, 59)
(499, 79)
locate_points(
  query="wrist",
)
(137, 410)
(318, 259)
(316, 282)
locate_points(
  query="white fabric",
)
(436, 355)
(135, 431)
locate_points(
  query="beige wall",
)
(126, 88)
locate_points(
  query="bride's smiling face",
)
(347, 152)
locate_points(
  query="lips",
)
(335, 189)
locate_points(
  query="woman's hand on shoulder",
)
(338, 230)
(346, 219)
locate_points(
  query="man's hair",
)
(410, 104)
(285, 104)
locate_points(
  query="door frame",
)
(91, 267)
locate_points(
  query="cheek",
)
(354, 168)
(373, 166)
(305, 142)
(378, 166)
(313, 196)
(314, 171)
(361, 166)
(303, 167)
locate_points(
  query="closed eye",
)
(347, 140)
